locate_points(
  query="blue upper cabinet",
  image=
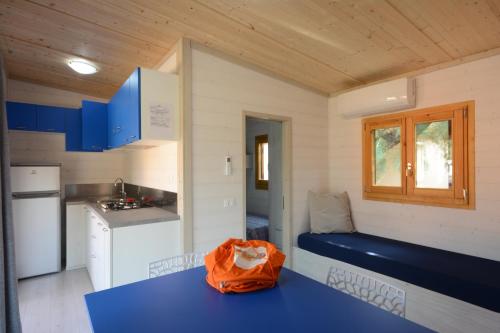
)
(50, 118)
(31, 117)
(94, 126)
(133, 128)
(124, 113)
(144, 111)
(21, 116)
(73, 124)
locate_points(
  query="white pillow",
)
(329, 213)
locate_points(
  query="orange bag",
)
(241, 266)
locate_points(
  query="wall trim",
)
(185, 150)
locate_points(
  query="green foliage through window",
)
(387, 156)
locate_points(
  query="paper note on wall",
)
(160, 115)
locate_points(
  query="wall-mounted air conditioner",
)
(385, 97)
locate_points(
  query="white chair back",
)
(373, 291)
(176, 264)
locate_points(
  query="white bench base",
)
(425, 307)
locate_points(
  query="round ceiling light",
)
(82, 67)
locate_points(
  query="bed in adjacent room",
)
(257, 227)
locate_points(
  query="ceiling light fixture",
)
(82, 67)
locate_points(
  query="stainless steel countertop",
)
(126, 218)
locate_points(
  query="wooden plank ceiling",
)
(325, 45)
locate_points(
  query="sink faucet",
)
(122, 192)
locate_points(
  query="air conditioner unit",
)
(379, 98)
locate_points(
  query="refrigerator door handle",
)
(33, 195)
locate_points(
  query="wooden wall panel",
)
(327, 46)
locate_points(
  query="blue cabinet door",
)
(121, 115)
(50, 118)
(94, 126)
(73, 125)
(111, 122)
(21, 116)
(114, 127)
(133, 124)
(124, 114)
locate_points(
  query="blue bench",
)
(471, 279)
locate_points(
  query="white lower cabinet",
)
(98, 251)
(117, 256)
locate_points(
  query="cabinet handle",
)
(92, 236)
(99, 223)
(92, 217)
(20, 127)
(105, 230)
(92, 256)
(132, 137)
(51, 129)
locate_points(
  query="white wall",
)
(33, 147)
(475, 232)
(77, 168)
(154, 167)
(222, 90)
(257, 200)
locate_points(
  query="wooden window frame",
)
(462, 192)
(260, 184)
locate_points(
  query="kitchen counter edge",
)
(119, 219)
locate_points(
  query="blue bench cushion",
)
(470, 279)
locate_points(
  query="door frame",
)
(286, 172)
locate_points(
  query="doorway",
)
(266, 213)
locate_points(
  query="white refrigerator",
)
(37, 219)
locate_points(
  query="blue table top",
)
(184, 302)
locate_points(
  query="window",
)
(261, 162)
(423, 157)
